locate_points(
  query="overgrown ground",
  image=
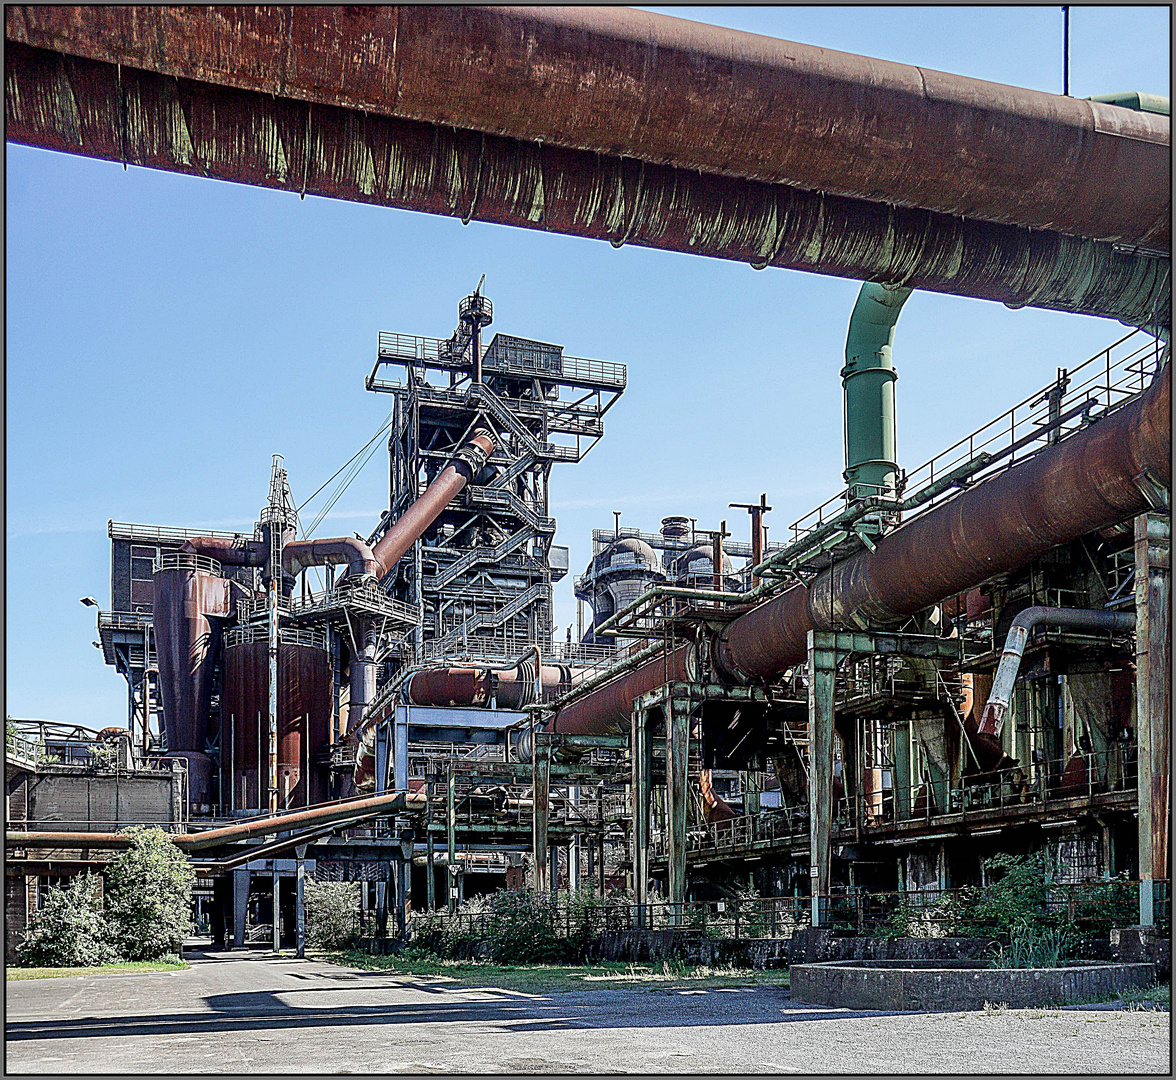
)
(17, 973)
(557, 978)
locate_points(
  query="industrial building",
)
(941, 662)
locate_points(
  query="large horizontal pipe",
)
(349, 811)
(631, 84)
(1084, 483)
(94, 108)
(228, 552)
(992, 720)
(1066, 491)
(607, 710)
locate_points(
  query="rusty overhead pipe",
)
(1088, 481)
(631, 84)
(350, 811)
(64, 101)
(1084, 483)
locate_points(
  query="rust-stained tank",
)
(190, 600)
(304, 719)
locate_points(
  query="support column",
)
(1153, 652)
(642, 754)
(574, 846)
(277, 912)
(451, 840)
(430, 854)
(822, 668)
(381, 757)
(541, 788)
(240, 906)
(677, 758)
(400, 749)
(300, 901)
(404, 885)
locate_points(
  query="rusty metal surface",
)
(627, 83)
(511, 688)
(608, 710)
(304, 705)
(89, 107)
(438, 495)
(449, 686)
(297, 555)
(228, 552)
(1065, 491)
(187, 643)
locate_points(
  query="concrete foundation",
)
(900, 985)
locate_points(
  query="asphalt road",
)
(235, 1013)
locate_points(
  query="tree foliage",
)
(70, 929)
(332, 913)
(149, 895)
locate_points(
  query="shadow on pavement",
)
(238, 1012)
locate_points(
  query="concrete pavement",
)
(250, 1012)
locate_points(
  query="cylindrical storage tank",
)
(190, 600)
(304, 719)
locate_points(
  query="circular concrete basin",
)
(957, 985)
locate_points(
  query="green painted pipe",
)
(1133, 99)
(868, 381)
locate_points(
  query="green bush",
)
(149, 895)
(521, 928)
(332, 913)
(1016, 899)
(70, 929)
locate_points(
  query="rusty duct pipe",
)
(627, 84)
(1084, 483)
(349, 811)
(466, 464)
(607, 710)
(297, 555)
(228, 552)
(80, 106)
(992, 719)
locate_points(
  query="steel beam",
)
(822, 669)
(300, 900)
(678, 722)
(540, 804)
(1153, 654)
(642, 784)
(451, 839)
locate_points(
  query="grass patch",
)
(128, 967)
(560, 978)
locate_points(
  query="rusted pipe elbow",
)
(300, 554)
(228, 552)
(992, 719)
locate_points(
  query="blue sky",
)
(166, 335)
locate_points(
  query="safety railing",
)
(1081, 775)
(287, 635)
(1076, 398)
(183, 560)
(124, 620)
